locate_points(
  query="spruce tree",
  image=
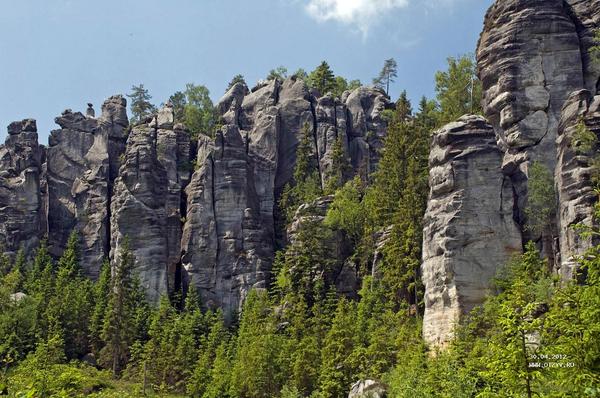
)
(236, 79)
(140, 104)
(179, 101)
(101, 293)
(118, 330)
(322, 79)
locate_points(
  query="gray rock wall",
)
(574, 178)
(532, 54)
(207, 217)
(469, 231)
(21, 202)
(81, 162)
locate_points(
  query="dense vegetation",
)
(63, 335)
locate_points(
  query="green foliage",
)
(584, 140)
(235, 80)
(279, 73)
(347, 212)
(140, 104)
(322, 79)
(595, 50)
(458, 89)
(122, 313)
(541, 205)
(387, 75)
(340, 167)
(178, 100)
(306, 185)
(256, 371)
(198, 113)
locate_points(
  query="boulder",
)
(368, 389)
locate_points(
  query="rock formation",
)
(21, 202)
(529, 60)
(229, 237)
(343, 273)
(574, 176)
(532, 54)
(147, 200)
(368, 389)
(469, 231)
(80, 158)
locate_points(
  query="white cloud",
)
(358, 13)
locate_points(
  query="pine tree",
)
(140, 105)
(179, 101)
(340, 167)
(387, 75)
(322, 79)
(337, 372)
(306, 184)
(517, 317)
(256, 371)
(70, 303)
(119, 329)
(236, 79)
(101, 293)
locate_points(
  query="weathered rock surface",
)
(229, 237)
(226, 249)
(148, 200)
(368, 389)
(586, 16)
(529, 60)
(21, 203)
(469, 231)
(80, 158)
(574, 177)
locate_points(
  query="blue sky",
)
(59, 54)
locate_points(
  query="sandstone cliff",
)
(533, 60)
(21, 203)
(469, 229)
(213, 226)
(229, 237)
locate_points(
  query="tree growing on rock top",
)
(199, 113)
(387, 75)
(178, 101)
(280, 73)
(322, 79)
(140, 105)
(458, 89)
(236, 79)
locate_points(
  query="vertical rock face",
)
(469, 230)
(532, 54)
(367, 127)
(147, 200)
(229, 237)
(573, 177)
(226, 249)
(21, 202)
(80, 158)
(586, 16)
(213, 226)
(529, 60)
